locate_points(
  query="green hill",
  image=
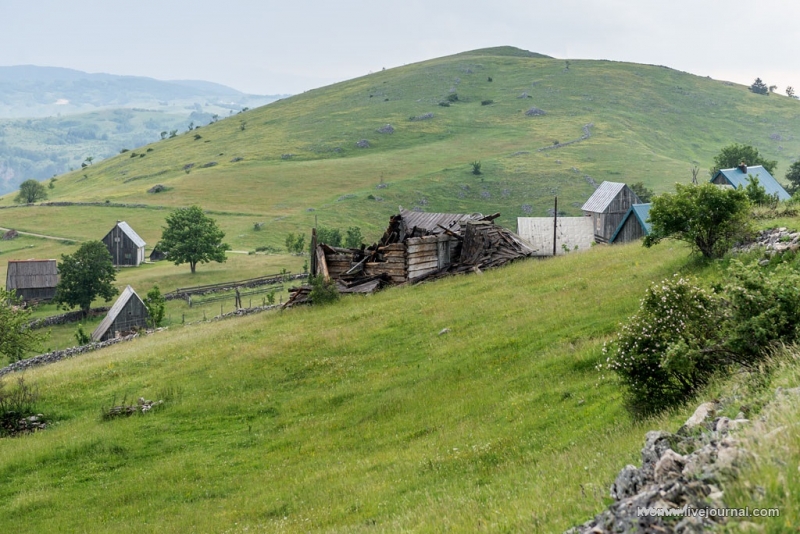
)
(280, 161)
(354, 417)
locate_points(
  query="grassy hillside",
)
(283, 160)
(354, 417)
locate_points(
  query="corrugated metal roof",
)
(115, 310)
(642, 214)
(133, 236)
(737, 177)
(570, 231)
(602, 197)
(430, 221)
(31, 274)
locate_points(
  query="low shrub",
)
(661, 354)
(323, 291)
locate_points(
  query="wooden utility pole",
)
(555, 225)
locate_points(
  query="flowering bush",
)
(666, 350)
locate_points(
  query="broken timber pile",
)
(415, 247)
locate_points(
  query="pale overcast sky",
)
(269, 47)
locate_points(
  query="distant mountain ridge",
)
(51, 118)
(31, 91)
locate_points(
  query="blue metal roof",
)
(737, 177)
(642, 214)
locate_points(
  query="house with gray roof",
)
(127, 315)
(571, 234)
(635, 225)
(32, 280)
(124, 245)
(606, 208)
(738, 177)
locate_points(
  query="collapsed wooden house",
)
(32, 280)
(416, 246)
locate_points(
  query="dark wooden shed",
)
(607, 206)
(32, 280)
(124, 245)
(127, 315)
(635, 225)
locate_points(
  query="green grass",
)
(352, 417)
(651, 124)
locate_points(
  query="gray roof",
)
(31, 274)
(133, 236)
(115, 310)
(431, 221)
(577, 233)
(738, 178)
(602, 197)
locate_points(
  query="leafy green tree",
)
(30, 191)
(756, 193)
(708, 217)
(156, 306)
(295, 243)
(86, 274)
(353, 237)
(16, 338)
(643, 192)
(790, 92)
(734, 154)
(759, 87)
(323, 291)
(793, 177)
(192, 237)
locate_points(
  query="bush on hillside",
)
(764, 310)
(661, 354)
(323, 291)
(711, 219)
(683, 334)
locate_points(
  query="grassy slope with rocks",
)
(353, 417)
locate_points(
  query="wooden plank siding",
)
(32, 280)
(124, 250)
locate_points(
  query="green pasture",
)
(354, 417)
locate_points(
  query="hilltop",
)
(350, 153)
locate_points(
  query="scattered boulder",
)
(534, 112)
(238, 158)
(11, 234)
(209, 164)
(363, 143)
(156, 189)
(287, 156)
(387, 129)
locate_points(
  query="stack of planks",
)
(298, 295)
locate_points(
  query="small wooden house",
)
(606, 208)
(634, 225)
(124, 245)
(32, 280)
(127, 315)
(737, 177)
(157, 254)
(572, 234)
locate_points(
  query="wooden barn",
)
(32, 280)
(416, 246)
(607, 206)
(634, 225)
(737, 177)
(124, 245)
(127, 315)
(572, 234)
(157, 254)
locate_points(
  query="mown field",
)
(355, 417)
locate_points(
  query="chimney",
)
(743, 167)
